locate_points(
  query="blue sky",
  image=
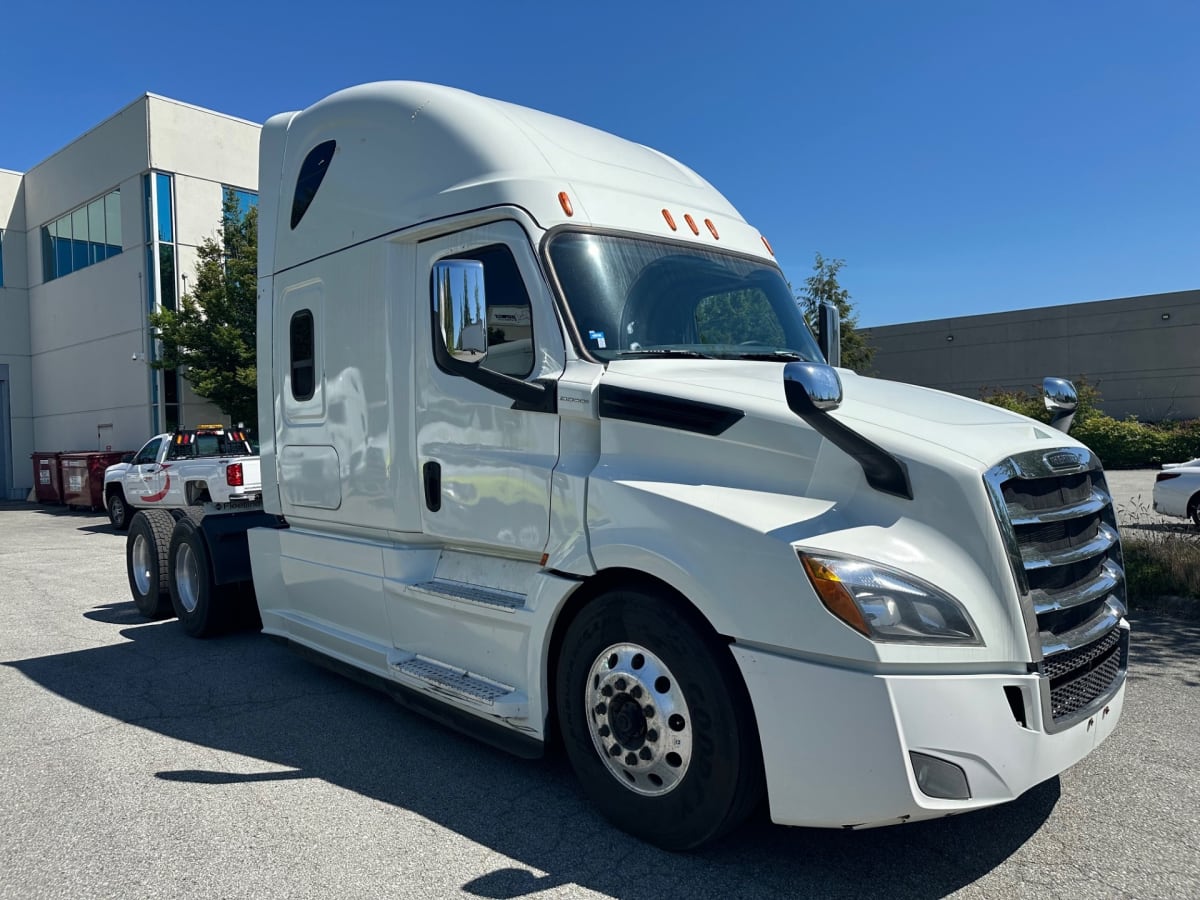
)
(962, 157)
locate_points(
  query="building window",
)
(244, 200)
(82, 237)
(1, 257)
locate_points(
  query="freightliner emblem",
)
(1064, 459)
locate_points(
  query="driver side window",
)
(149, 453)
(510, 315)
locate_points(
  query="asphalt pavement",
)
(136, 762)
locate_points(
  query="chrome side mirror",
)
(829, 332)
(811, 387)
(1061, 400)
(460, 309)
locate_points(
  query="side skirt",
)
(497, 736)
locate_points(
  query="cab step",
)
(483, 694)
(446, 589)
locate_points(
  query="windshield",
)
(640, 298)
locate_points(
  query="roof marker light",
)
(687, 217)
(670, 220)
(565, 202)
(767, 244)
(712, 228)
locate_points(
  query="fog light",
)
(938, 778)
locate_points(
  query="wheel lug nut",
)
(652, 735)
(631, 759)
(620, 684)
(636, 693)
(645, 753)
(607, 690)
(601, 708)
(615, 750)
(604, 731)
(649, 711)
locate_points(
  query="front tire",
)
(118, 510)
(656, 720)
(146, 561)
(201, 606)
(1194, 510)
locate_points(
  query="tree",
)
(212, 333)
(821, 287)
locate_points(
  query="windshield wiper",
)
(664, 353)
(769, 355)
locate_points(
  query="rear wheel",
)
(146, 561)
(656, 720)
(202, 607)
(1194, 510)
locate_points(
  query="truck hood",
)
(902, 418)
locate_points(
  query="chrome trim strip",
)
(1092, 505)
(1107, 617)
(1101, 543)
(1111, 578)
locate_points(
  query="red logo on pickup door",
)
(154, 498)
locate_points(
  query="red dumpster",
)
(83, 476)
(47, 477)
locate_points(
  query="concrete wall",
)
(1143, 353)
(16, 394)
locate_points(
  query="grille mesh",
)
(1084, 683)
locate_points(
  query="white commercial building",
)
(92, 239)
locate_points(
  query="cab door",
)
(145, 479)
(487, 445)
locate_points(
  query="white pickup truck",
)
(208, 464)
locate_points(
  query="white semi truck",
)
(547, 449)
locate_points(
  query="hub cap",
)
(638, 719)
(141, 564)
(187, 577)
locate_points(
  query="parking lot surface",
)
(136, 762)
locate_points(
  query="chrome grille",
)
(1061, 533)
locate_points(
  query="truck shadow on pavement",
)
(248, 696)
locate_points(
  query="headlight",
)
(886, 604)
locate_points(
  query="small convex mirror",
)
(1061, 400)
(460, 309)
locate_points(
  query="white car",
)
(1177, 491)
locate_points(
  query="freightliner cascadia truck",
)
(549, 453)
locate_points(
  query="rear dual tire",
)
(146, 550)
(203, 608)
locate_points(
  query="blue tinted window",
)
(246, 200)
(166, 226)
(83, 237)
(1, 257)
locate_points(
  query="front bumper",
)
(836, 742)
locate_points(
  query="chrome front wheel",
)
(639, 719)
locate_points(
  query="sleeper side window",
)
(312, 173)
(303, 359)
(510, 313)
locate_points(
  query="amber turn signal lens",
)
(834, 594)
